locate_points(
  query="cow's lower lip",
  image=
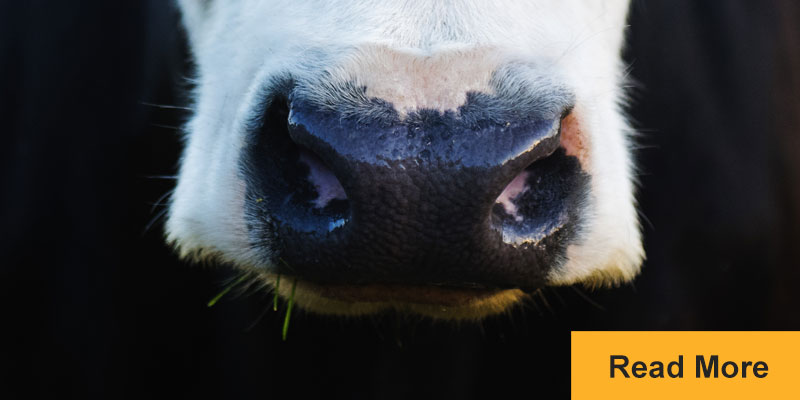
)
(440, 302)
(393, 293)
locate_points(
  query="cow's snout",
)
(430, 199)
(438, 159)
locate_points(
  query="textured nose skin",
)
(422, 200)
(430, 141)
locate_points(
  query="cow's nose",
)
(427, 199)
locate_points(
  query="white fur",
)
(239, 45)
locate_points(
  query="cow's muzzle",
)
(427, 200)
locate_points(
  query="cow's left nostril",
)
(540, 200)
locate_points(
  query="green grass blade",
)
(289, 311)
(225, 291)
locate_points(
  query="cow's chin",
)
(437, 302)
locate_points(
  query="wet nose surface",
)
(432, 200)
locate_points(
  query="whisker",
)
(540, 293)
(170, 127)
(258, 319)
(645, 219)
(170, 177)
(559, 298)
(532, 301)
(155, 219)
(588, 300)
(165, 106)
(161, 199)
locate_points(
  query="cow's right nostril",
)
(323, 180)
(296, 189)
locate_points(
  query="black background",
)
(93, 304)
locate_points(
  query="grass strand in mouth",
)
(227, 289)
(275, 298)
(289, 311)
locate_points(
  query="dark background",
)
(93, 304)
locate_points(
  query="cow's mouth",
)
(440, 302)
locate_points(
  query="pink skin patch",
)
(327, 186)
(573, 139)
(510, 193)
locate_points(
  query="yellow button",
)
(685, 365)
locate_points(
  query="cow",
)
(439, 158)
(95, 305)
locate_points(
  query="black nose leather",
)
(421, 198)
(437, 146)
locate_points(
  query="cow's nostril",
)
(540, 200)
(290, 184)
(323, 180)
(509, 197)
